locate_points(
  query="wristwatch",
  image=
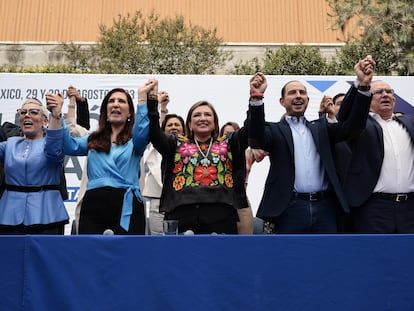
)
(362, 88)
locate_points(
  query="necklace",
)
(26, 151)
(204, 162)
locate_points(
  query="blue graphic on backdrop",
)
(321, 85)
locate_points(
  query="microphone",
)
(108, 232)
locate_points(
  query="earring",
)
(129, 119)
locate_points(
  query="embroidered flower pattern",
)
(189, 170)
(205, 175)
(187, 149)
(229, 180)
(178, 182)
(178, 166)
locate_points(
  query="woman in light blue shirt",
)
(113, 200)
(32, 203)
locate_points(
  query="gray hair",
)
(35, 101)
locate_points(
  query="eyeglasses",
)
(380, 91)
(31, 112)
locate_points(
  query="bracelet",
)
(257, 95)
(142, 99)
(71, 106)
(153, 96)
(164, 110)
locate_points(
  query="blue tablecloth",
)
(218, 272)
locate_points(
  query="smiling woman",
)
(32, 203)
(199, 189)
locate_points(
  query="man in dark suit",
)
(379, 184)
(302, 188)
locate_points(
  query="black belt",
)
(32, 188)
(396, 197)
(311, 196)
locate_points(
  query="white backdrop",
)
(229, 95)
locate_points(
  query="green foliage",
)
(286, 60)
(60, 68)
(181, 49)
(136, 45)
(82, 60)
(294, 60)
(249, 67)
(387, 30)
(351, 53)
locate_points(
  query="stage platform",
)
(217, 272)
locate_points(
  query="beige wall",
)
(37, 54)
(30, 29)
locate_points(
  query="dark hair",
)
(188, 131)
(337, 96)
(283, 91)
(172, 116)
(100, 140)
(235, 125)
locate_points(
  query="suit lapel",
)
(408, 128)
(378, 133)
(287, 133)
(313, 127)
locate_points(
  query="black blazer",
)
(276, 138)
(367, 157)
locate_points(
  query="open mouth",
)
(297, 103)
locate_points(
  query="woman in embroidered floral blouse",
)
(199, 172)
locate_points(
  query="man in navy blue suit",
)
(380, 180)
(302, 189)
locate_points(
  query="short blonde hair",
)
(35, 101)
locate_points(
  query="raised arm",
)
(364, 70)
(355, 107)
(54, 135)
(256, 121)
(54, 104)
(163, 100)
(146, 92)
(80, 105)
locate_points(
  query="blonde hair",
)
(37, 102)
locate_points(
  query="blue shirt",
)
(120, 168)
(32, 162)
(309, 171)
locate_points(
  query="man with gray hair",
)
(380, 181)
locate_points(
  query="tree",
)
(286, 60)
(135, 44)
(179, 49)
(249, 67)
(383, 28)
(343, 63)
(294, 60)
(80, 59)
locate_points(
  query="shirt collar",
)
(295, 120)
(378, 118)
